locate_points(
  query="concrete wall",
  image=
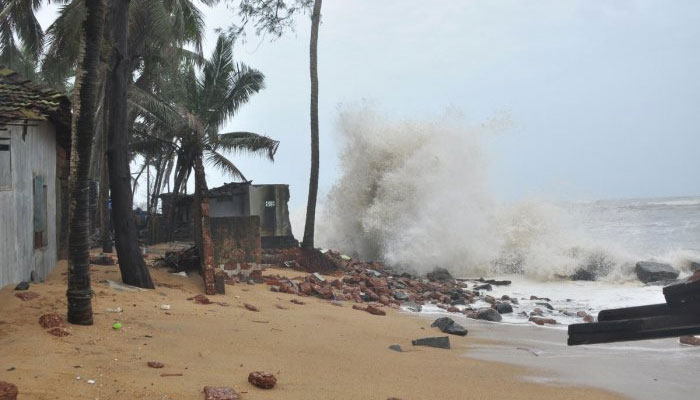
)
(236, 244)
(32, 154)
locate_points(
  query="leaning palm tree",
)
(79, 293)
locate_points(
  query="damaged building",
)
(34, 167)
(267, 202)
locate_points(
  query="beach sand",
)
(317, 350)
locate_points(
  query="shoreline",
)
(317, 350)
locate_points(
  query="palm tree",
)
(309, 227)
(79, 293)
(21, 36)
(208, 100)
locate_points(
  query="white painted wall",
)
(35, 154)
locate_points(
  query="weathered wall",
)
(236, 243)
(32, 154)
(274, 218)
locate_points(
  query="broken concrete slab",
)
(220, 393)
(440, 342)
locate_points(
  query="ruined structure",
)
(267, 202)
(34, 167)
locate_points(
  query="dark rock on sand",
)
(653, 271)
(489, 314)
(449, 326)
(442, 342)
(22, 286)
(396, 347)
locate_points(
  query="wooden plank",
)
(652, 310)
(660, 326)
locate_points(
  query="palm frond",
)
(247, 142)
(224, 164)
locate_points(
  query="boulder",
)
(489, 314)
(504, 308)
(449, 326)
(653, 271)
(595, 266)
(440, 274)
(442, 342)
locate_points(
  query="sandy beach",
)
(317, 350)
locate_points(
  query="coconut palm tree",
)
(79, 293)
(21, 35)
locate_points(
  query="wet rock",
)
(486, 287)
(542, 321)
(583, 274)
(690, 340)
(22, 286)
(48, 321)
(453, 309)
(489, 314)
(442, 342)
(440, 275)
(412, 306)
(396, 347)
(8, 391)
(539, 298)
(588, 319)
(537, 312)
(449, 326)
(546, 305)
(263, 380)
(652, 271)
(400, 295)
(490, 299)
(495, 282)
(155, 364)
(504, 308)
(220, 393)
(595, 266)
(694, 266)
(514, 301)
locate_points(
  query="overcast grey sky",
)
(604, 95)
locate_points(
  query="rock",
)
(452, 309)
(490, 299)
(539, 298)
(396, 347)
(690, 340)
(440, 275)
(504, 308)
(652, 271)
(251, 307)
(200, 299)
(220, 393)
(400, 295)
(694, 266)
(514, 301)
(546, 305)
(588, 319)
(486, 287)
(8, 391)
(595, 266)
(449, 326)
(22, 286)
(318, 277)
(155, 364)
(489, 314)
(374, 310)
(295, 301)
(537, 312)
(542, 321)
(411, 306)
(50, 321)
(442, 342)
(263, 380)
(58, 331)
(26, 296)
(583, 274)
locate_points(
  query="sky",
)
(604, 96)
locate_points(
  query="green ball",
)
(117, 326)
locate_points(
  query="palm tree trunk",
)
(131, 264)
(202, 228)
(309, 228)
(79, 293)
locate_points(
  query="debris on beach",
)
(27, 296)
(8, 391)
(263, 380)
(48, 321)
(396, 347)
(155, 364)
(251, 307)
(440, 342)
(200, 299)
(689, 340)
(220, 393)
(22, 286)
